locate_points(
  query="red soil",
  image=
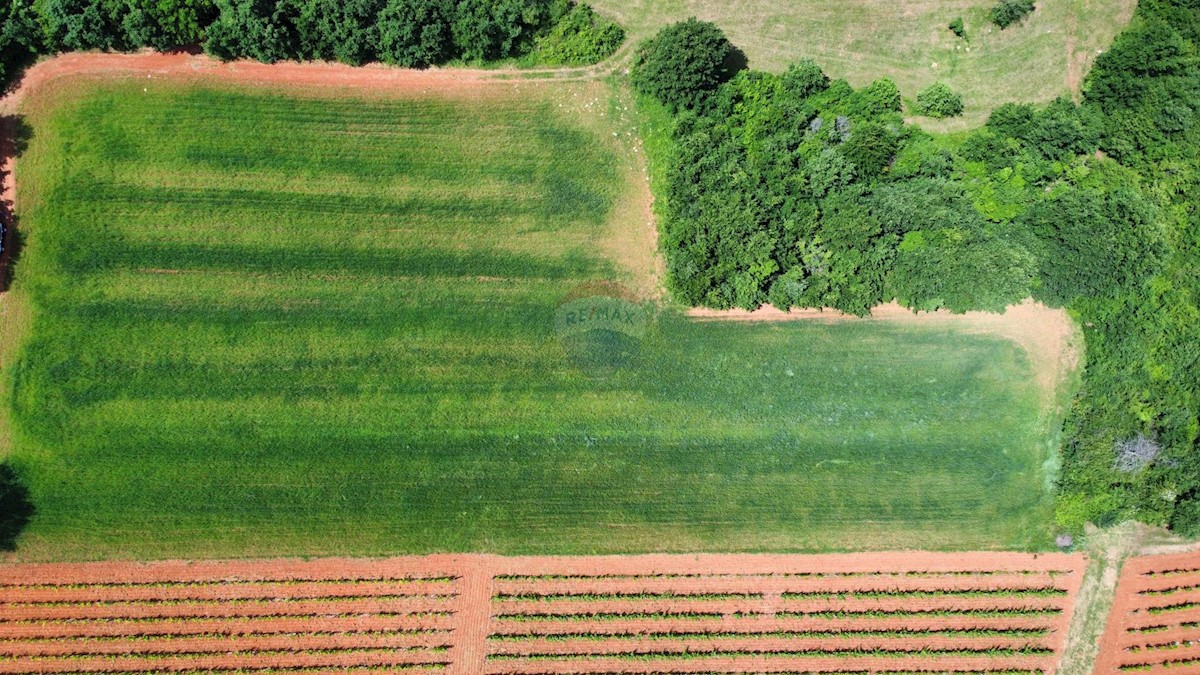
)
(813, 584)
(1161, 593)
(632, 614)
(758, 624)
(767, 664)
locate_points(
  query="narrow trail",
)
(375, 78)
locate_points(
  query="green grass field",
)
(268, 325)
(861, 40)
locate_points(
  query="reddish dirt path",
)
(1160, 593)
(479, 614)
(374, 78)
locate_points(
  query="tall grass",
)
(275, 325)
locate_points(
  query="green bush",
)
(960, 270)
(939, 100)
(257, 29)
(956, 27)
(1007, 12)
(341, 30)
(77, 25)
(871, 148)
(878, 98)
(582, 37)
(166, 24)
(1185, 519)
(683, 64)
(1096, 243)
(415, 33)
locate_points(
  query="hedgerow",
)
(414, 33)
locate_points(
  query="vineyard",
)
(1155, 622)
(861, 613)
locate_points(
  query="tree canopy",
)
(413, 33)
(682, 64)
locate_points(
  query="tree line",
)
(797, 190)
(411, 33)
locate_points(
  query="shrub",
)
(938, 100)
(259, 29)
(485, 30)
(1063, 129)
(956, 27)
(581, 37)
(683, 64)
(77, 25)
(960, 271)
(1096, 243)
(1007, 12)
(1185, 519)
(167, 24)
(1012, 120)
(803, 79)
(344, 30)
(1135, 454)
(870, 148)
(415, 33)
(879, 98)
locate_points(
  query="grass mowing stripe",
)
(358, 354)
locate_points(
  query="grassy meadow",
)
(862, 40)
(268, 324)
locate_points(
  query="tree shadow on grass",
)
(735, 62)
(15, 134)
(15, 508)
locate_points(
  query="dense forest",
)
(413, 33)
(799, 191)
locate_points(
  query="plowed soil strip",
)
(768, 625)
(259, 660)
(1126, 644)
(224, 591)
(1167, 583)
(845, 563)
(228, 626)
(755, 664)
(761, 606)
(544, 646)
(330, 569)
(221, 609)
(769, 584)
(219, 644)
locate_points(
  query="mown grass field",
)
(862, 40)
(267, 324)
